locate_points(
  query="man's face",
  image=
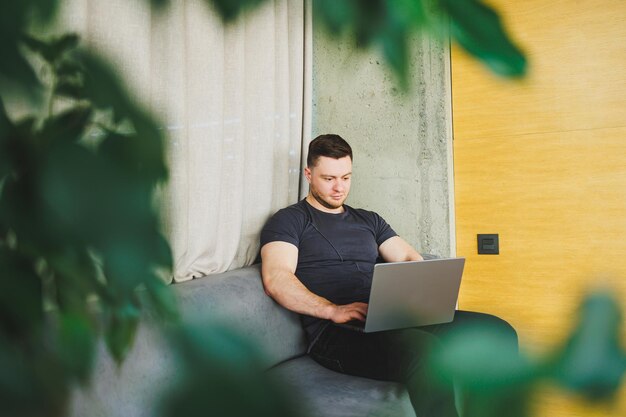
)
(329, 181)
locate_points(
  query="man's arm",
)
(396, 249)
(279, 261)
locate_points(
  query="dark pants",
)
(399, 355)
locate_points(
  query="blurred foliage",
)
(16, 75)
(478, 30)
(390, 24)
(78, 234)
(592, 362)
(496, 379)
(221, 373)
(80, 247)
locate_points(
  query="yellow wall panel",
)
(556, 201)
(577, 53)
(542, 162)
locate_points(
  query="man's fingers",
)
(347, 312)
(360, 307)
(359, 316)
(358, 311)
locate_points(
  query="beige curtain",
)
(231, 103)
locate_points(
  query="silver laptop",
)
(411, 294)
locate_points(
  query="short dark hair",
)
(329, 145)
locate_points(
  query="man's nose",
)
(338, 186)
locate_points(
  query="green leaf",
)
(52, 50)
(162, 251)
(18, 381)
(120, 330)
(6, 125)
(159, 4)
(32, 381)
(90, 200)
(71, 184)
(371, 19)
(592, 362)
(69, 126)
(484, 363)
(135, 155)
(162, 299)
(126, 263)
(20, 206)
(102, 199)
(70, 87)
(229, 10)
(74, 276)
(149, 142)
(389, 24)
(482, 358)
(6, 130)
(219, 368)
(12, 18)
(77, 345)
(66, 43)
(17, 77)
(21, 299)
(477, 28)
(72, 290)
(68, 68)
(106, 91)
(396, 52)
(38, 46)
(43, 10)
(337, 16)
(26, 126)
(409, 13)
(104, 87)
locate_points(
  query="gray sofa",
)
(237, 299)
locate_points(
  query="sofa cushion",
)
(237, 299)
(133, 389)
(325, 393)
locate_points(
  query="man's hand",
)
(347, 312)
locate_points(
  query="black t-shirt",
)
(336, 252)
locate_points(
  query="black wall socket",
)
(488, 244)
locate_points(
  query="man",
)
(318, 257)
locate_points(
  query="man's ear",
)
(307, 174)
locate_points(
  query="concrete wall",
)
(401, 142)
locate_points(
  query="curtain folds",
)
(230, 99)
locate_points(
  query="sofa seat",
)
(234, 299)
(326, 393)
